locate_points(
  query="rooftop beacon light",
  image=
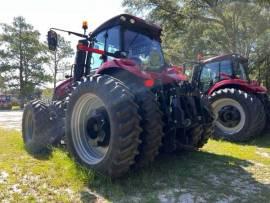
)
(85, 26)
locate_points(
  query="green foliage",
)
(2, 82)
(22, 57)
(47, 94)
(211, 27)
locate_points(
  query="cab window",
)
(96, 59)
(209, 74)
(240, 72)
(225, 68)
(109, 38)
(113, 40)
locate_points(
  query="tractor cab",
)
(127, 37)
(122, 40)
(226, 67)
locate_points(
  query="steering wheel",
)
(154, 58)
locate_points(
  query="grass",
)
(221, 171)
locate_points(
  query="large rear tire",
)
(239, 115)
(103, 125)
(151, 124)
(151, 118)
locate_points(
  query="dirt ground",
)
(11, 119)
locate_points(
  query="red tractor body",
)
(168, 75)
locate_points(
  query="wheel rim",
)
(29, 126)
(230, 115)
(90, 129)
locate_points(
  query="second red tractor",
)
(241, 106)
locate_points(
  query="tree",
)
(58, 58)
(211, 27)
(22, 57)
(2, 83)
(261, 58)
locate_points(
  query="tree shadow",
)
(260, 141)
(44, 154)
(185, 177)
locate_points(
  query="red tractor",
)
(121, 104)
(241, 106)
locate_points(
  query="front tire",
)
(102, 125)
(35, 127)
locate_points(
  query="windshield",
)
(143, 50)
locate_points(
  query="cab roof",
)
(138, 24)
(224, 57)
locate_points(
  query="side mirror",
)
(52, 40)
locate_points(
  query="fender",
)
(62, 89)
(250, 87)
(168, 75)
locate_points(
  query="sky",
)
(65, 14)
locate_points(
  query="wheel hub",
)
(229, 116)
(90, 126)
(97, 128)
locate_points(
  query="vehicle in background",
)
(5, 102)
(240, 105)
